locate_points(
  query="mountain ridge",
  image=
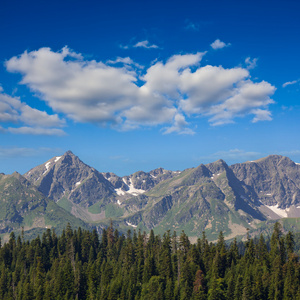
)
(210, 197)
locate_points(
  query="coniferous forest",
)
(81, 265)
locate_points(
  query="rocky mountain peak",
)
(67, 176)
(217, 167)
(69, 152)
(157, 171)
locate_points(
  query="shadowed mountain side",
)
(275, 180)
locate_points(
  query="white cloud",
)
(164, 79)
(289, 83)
(34, 117)
(126, 61)
(124, 47)
(36, 131)
(6, 152)
(261, 115)
(288, 153)
(145, 44)
(179, 126)
(245, 99)
(209, 85)
(12, 110)
(86, 91)
(217, 44)
(251, 64)
(167, 94)
(233, 155)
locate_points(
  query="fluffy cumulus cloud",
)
(167, 93)
(86, 91)
(245, 99)
(25, 119)
(217, 44)
(179, 126)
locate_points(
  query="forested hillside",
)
(81, 265)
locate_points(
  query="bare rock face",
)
(67, 176)
(274, 179)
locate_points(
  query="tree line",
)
(80, 264)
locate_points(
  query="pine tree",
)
(199, 286)
(290, 242)
(216, 290)
(238, 291)
(165, 264)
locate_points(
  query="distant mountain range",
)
(210, 197)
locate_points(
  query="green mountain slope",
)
(23, 206)
(194, 201)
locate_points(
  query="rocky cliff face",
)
(275, 183)
(275, 180)
(67, 176)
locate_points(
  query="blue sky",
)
(136, 85)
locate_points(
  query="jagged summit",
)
(67, 176)
(69, 152)
(217, 167)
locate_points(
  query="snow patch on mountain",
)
(132, 190)
(130, 224)
(120, 192)
(47, 166)
(215, 175)
(278, 211)
(57, 158)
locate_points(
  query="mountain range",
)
(212, 197)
